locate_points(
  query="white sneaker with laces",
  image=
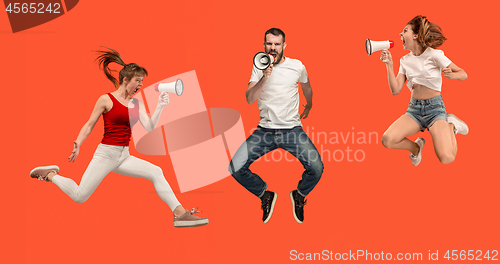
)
(416, 159)
(460, 126)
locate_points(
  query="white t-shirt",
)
(424, 69)
(279, 100)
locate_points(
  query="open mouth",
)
(274, 56)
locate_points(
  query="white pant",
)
(117, 159)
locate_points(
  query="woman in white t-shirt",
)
(422, 69)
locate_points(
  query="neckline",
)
(119, 101)
(426, 49)
(281, 63)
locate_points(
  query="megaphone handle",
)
(267, 72)
(385, 61)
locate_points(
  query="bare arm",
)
(395, 83)
(255, 88)
(99, 108)
(149, 123)
(308, 94)
(453, 72)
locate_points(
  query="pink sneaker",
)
(42, 172)
(189, 219)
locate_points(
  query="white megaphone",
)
(262, 60)
(172, 87)
(372, 46)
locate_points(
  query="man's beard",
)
(278, 57)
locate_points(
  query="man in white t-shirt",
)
(276, 90)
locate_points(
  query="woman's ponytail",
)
(129, 70)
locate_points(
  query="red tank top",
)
(118, 121)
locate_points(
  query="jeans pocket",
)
(436, 105)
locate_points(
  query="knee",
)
(237, 166)
(317, 169)
(152, 173)
(156, 171)
(231, 168)
(80, 198)
(446, 158)
(388, 140)
(235, 172)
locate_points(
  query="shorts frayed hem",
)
(416, 121)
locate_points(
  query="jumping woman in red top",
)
(120, 112)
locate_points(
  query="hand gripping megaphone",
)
(262, 60)
(172, 87)
(372, 46)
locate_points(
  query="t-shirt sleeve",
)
(441, 60)
(401, 68)
(303, 75)
(256, 75)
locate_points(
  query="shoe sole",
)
(272, 208)
(193, 223)
(293, 208)
(461, 121)
(51, 167)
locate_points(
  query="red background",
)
(50, 84)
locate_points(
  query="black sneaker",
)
(268, 202)
(298, 206)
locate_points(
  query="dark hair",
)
(429, 34)
(129, 70)
(276, 32)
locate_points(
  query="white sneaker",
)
(460, 126)
(416, 159)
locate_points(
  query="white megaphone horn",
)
(372, 46)
(176, 87)
(262, 60)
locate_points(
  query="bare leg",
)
(395, 136)
(179, 210)
(51, 175)
(445, 143)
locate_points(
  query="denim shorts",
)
(426, 112)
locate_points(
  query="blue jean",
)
(264, 140)
(427, 111)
